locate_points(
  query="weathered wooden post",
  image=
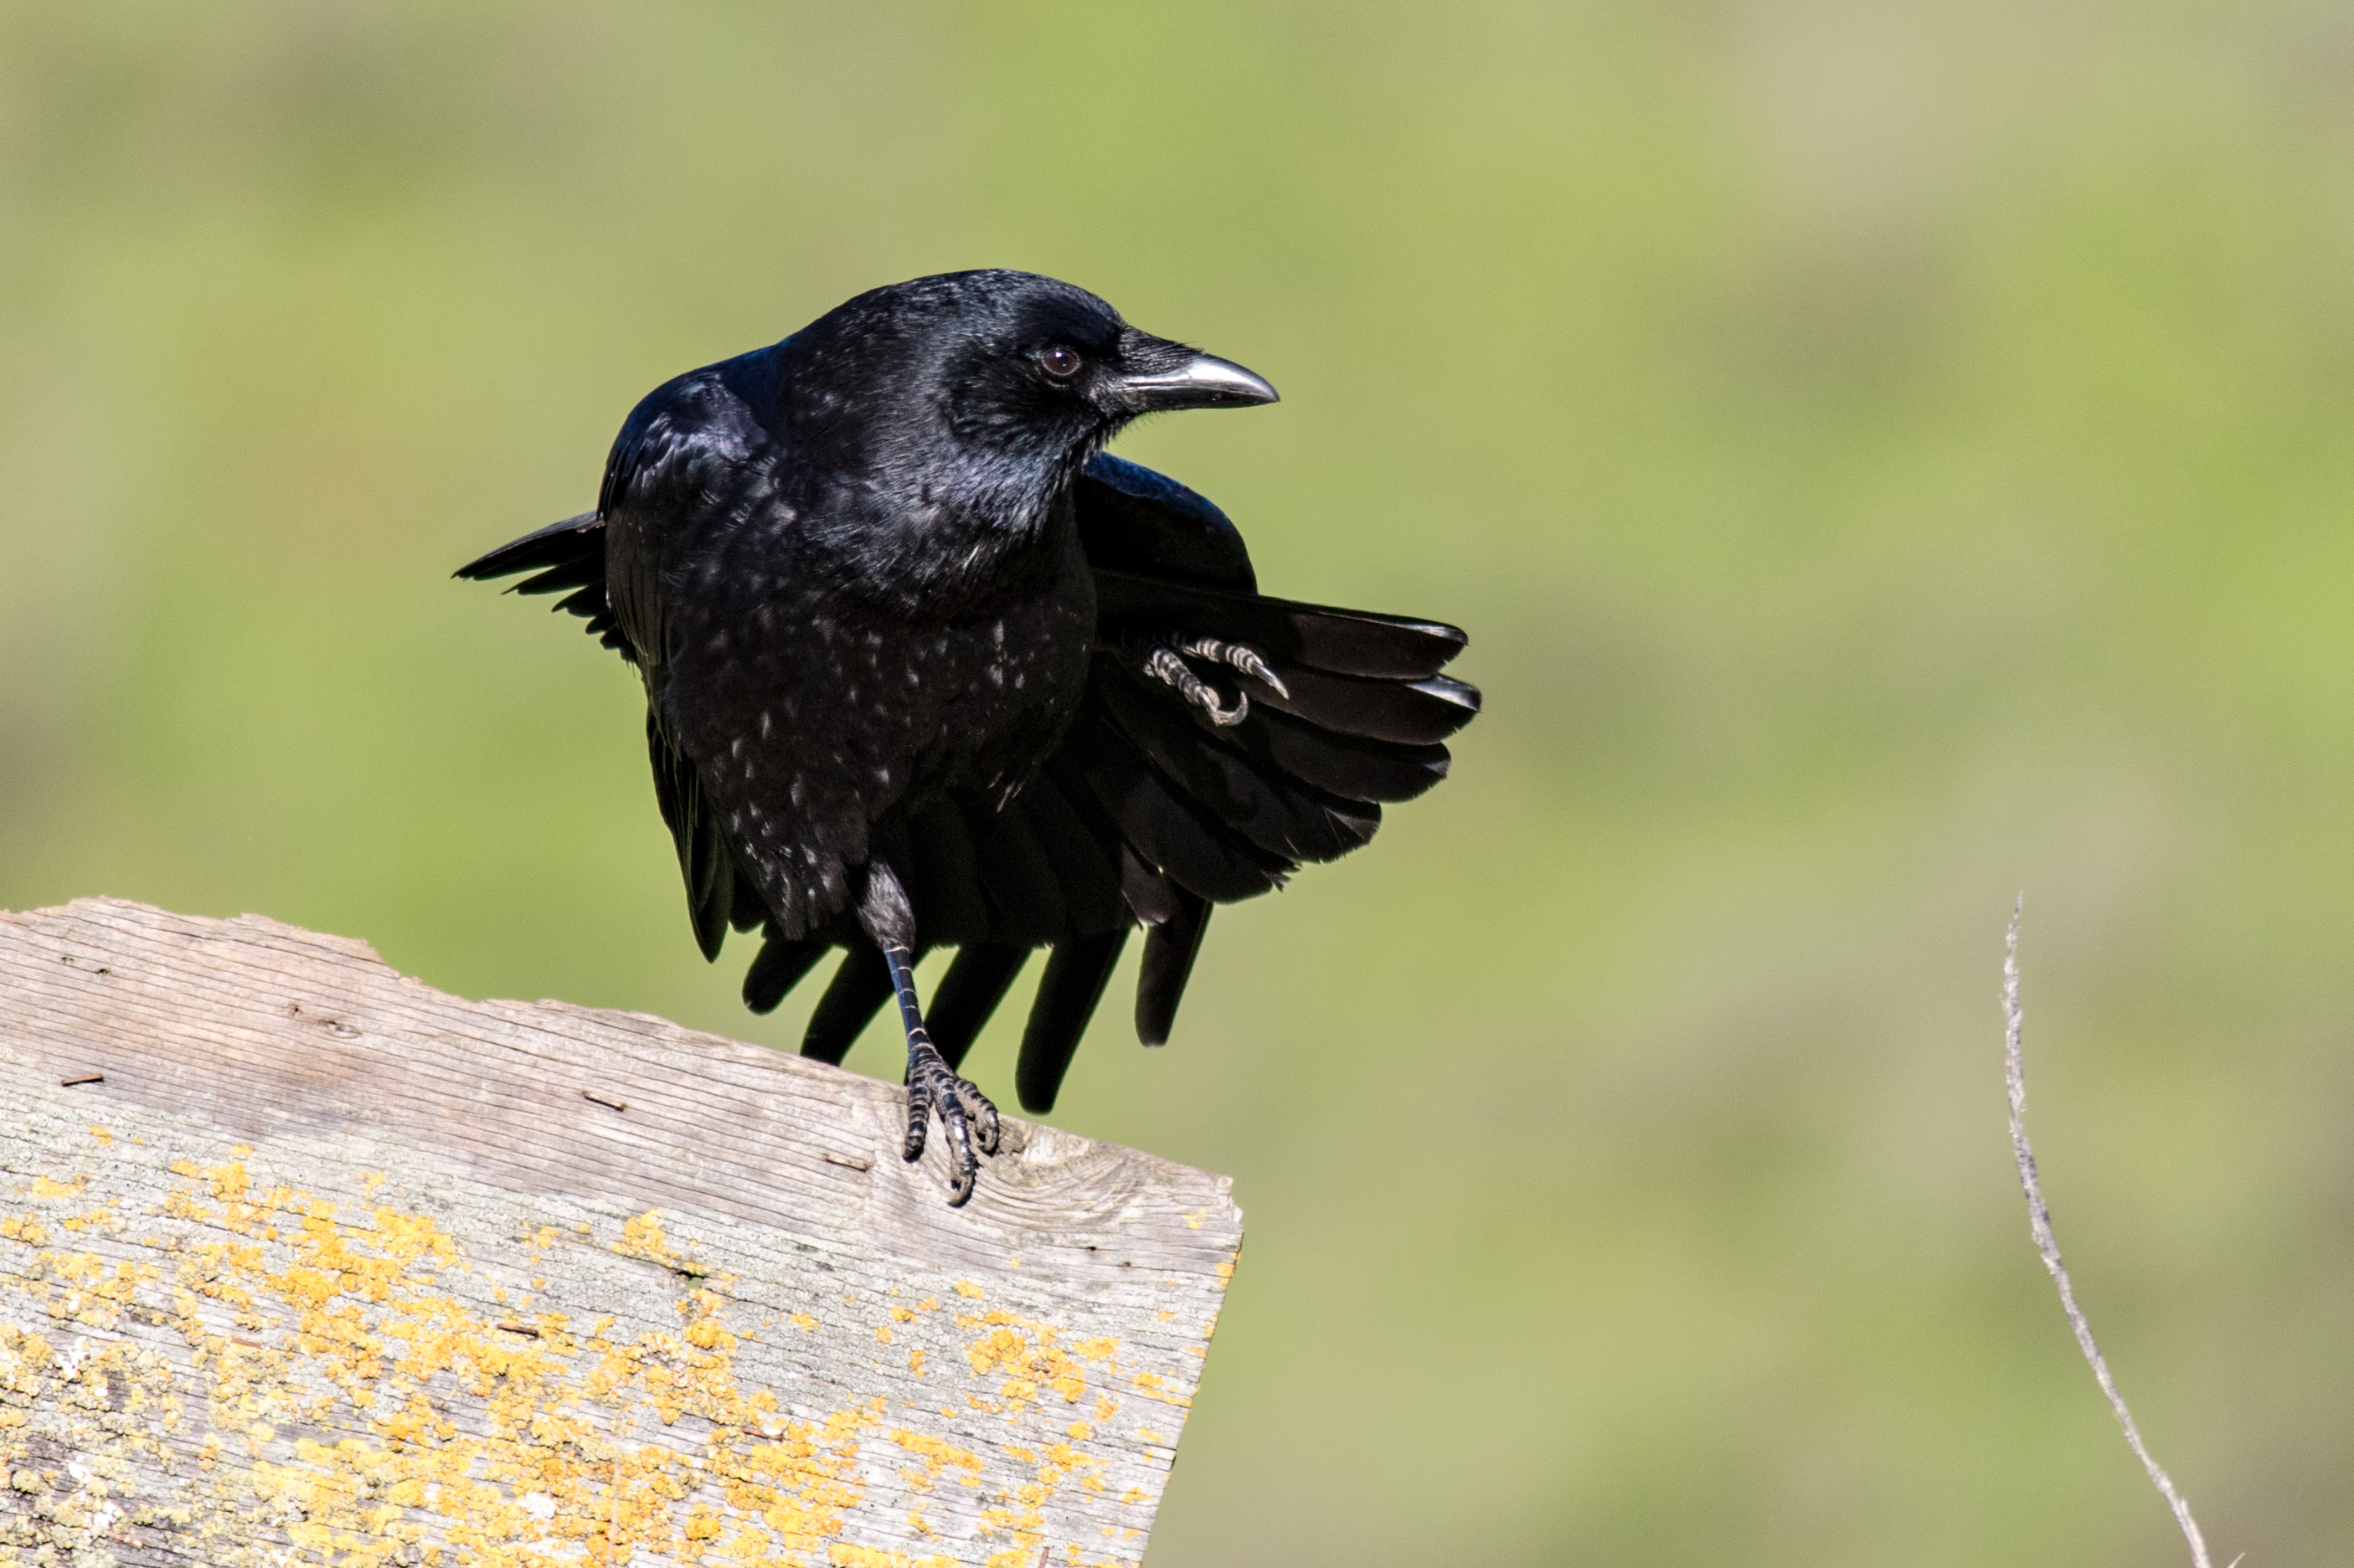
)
(304, 1262)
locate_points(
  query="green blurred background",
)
(1887, 456)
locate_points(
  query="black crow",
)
(926, 667)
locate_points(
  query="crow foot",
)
(1167, 664)
(965, 1112)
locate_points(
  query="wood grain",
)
(318, 1265)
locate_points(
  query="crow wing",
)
(1196, 814)
(1145, 814)
(569, 557)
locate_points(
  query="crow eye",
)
(1060, 363)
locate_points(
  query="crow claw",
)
(982, 1116)
(1240, 656)
(1166, 663)
(965, 1114)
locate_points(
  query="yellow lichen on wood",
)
(344, 1274)
(450, 1433)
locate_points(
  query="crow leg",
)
(1166, 663)
(965, 1112)
(966, 1115)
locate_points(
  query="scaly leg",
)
(932, 1085)
(965, 1111)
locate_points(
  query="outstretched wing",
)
(1173, 814)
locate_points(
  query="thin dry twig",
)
(2038, 1218)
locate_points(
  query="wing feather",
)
(567, 558)
(565, 546)
(1151, 896)
(1407, 713)
(1354, 767)
(1169, 951)
(969, 993)
(1167, 830)
(1018, 880)
(704, 858)
(1084, 848)
(1067, 993)
(1283, 816)
(860, 988)
(780, 965)
(1341, 641)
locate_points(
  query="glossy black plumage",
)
(893, 606)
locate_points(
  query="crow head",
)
(1025, 377)
(1048, 369)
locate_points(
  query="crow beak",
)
(1198, 381)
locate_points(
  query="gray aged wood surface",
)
(318, 1265)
